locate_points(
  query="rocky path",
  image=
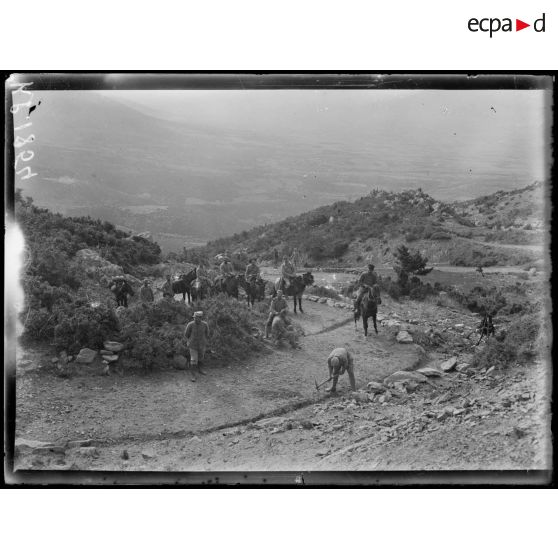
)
(267, 415)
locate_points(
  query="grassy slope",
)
(480, 231)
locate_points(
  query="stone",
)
(54, 360)
(330, 302)
(23, 444)
(270, 422)
(413, 321)
(462, 367)
(491, 369)
(449, 364)
(86, 356)
(391, 323)
(180, 362)
(306, 424)
(105, 352)
(404, 337)
(525, 396)
(89, 451)
(79, 443)
(148, 454)
(322, 300)
(113, 346)
(429, 371)
(110, 358)
(360, 396)
(459, 326)
(404, 375)
(375, 387)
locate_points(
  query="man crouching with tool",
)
(339, 360)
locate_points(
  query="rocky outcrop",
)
(96, 266)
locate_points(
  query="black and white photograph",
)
(258, 274)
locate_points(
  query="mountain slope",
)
(224, 164)
(370, 228)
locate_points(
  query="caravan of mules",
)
(197, 284)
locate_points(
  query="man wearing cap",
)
(146, 294)
(167, 288)
(197, 335)
(339, 361)
(277, 305)
(288, 273)
(252, 271)
(366, 281)
(282, 329)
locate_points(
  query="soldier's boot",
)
(200, 371)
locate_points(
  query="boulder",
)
(462, 367)
(105, 352)
(110, 358)
(89, 452)
(86, 356)
(93, 264)
(449, 364)
(143, 236)
(404, 337)
(360, 396)
(322, 300)
(79, 443)
(404, 375)
(428, 371)
(180, 362)
(113, 346)
(391, 323)
(148, 454)
(375, 387)
(330, 302)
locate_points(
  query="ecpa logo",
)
(494, 24)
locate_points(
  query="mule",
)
(228, 285)
(254, 289)
(199, 290)
(368, 308)
(296, 288)
(121, 292)
(182, 286)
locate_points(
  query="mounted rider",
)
(226, 269)
(366, 282)
(252, 271)
(201, 275)
(278, 304)
(288, 273)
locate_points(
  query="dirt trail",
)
(266, 414)
(166, 404)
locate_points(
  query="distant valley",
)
(187, 182)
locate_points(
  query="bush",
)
(520, 344)
(155, 333)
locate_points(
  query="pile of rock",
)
(110, 354)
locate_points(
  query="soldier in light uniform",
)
(282, 329)
(288, 273)
(366, 281)
(339, 361)
(197, 336)
(278, 304)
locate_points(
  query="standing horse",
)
(368, 308)
(254, 289)
(229, 285)
(121, 292)
(296, 288)
(182, 286)
(199, 290)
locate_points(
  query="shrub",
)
(520, 343)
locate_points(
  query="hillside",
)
(505, 228)
(226, 163)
